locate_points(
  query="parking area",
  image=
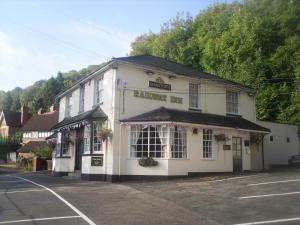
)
(265, 198)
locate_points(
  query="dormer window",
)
(232, 102)
(68, 105)
(99, 91)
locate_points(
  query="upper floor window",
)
(81, 99)
(99, 91)
(194, 98)
(207, 143)
(68, 105)
(232, 102)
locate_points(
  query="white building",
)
(280, 144)
(188, 121)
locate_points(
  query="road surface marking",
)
(274, 182)
(13, 192)
(39, 219)
(270, 221)
(83, 216)
(270, 195)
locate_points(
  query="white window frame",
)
(232, 102)
(194, 98)
(178, 147)
(99, 88)
(81, 98)
(68, 111)
(207, 144)
(87, 139)
(97, 141)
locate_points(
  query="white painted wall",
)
(279, 151)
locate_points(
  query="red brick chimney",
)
(24, 114)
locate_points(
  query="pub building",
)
(144, 117)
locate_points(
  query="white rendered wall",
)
(279, 151)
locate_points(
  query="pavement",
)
(264, 198)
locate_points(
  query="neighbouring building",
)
(280, 144)
(37, 130)
(12, 122)
(189, 122)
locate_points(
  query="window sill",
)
(195, 109)
(63, 157)
(208, 159)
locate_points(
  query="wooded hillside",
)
(255, 42)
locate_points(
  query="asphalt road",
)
(266, 198)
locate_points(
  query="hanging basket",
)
(147, 162)
(105, 133)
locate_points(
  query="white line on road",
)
(83, 216)
(13, 192)
(274, 182)
(270, 221)
(39, 219)
(270, 195)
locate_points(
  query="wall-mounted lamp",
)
(172, 77)
(149, 72)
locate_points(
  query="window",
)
(178, 143)
(68, 106)
(99, 91)
(81, 99)
(194, 96)
(271, 138)
(232, 102)
(66, 140)
(207, 143)
(87, 138)
(97, 141)
(148, 141)
(288, 140)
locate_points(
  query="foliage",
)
(45, 152)
(9, 145)
(24, 163)
(146, 162)
(42, 93)
(254, 42)
(105, 133)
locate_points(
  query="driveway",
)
(266, 198)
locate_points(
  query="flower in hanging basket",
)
(105, 133)
(147, 162)
(221, 137)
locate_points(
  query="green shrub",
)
(9, 145)
(43, 152)
(24, 163)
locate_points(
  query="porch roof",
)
(93, 114)
(193, 117)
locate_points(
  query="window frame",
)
(207, 144)
(68, 108)
(96, 135)
(179, 149)
(232, 107)
(99, 89)
(194, 95)
(81, 99)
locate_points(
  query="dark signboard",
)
(159, 85)
(97, 161)
(226, 147)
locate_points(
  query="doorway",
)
(78, 148)
(237, 154)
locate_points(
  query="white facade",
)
(280, 144)
(126, 93)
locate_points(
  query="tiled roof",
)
(12, 119)
(172, 115)
(180, 69)
(28, 147)
(95, 113)
(43, 122)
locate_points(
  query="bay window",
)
(87, 138)
(178, 143)
(97, 141)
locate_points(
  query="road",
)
(265, 198)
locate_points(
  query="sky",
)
(38, 38)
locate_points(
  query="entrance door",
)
(79, 148)
(237, 154)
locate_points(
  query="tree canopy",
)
(253, 42)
